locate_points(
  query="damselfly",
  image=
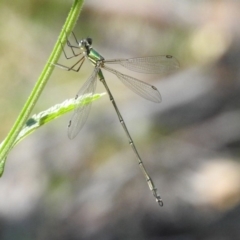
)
(156, 65)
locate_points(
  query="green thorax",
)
(94, 56)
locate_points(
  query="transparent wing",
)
(82, 110)
(141, 88)
(155, 64)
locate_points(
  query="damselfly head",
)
(87, 42)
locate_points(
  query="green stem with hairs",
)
(10, 140)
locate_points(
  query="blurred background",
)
(91, 187)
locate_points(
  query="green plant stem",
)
(38, 88)
(56, 111)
